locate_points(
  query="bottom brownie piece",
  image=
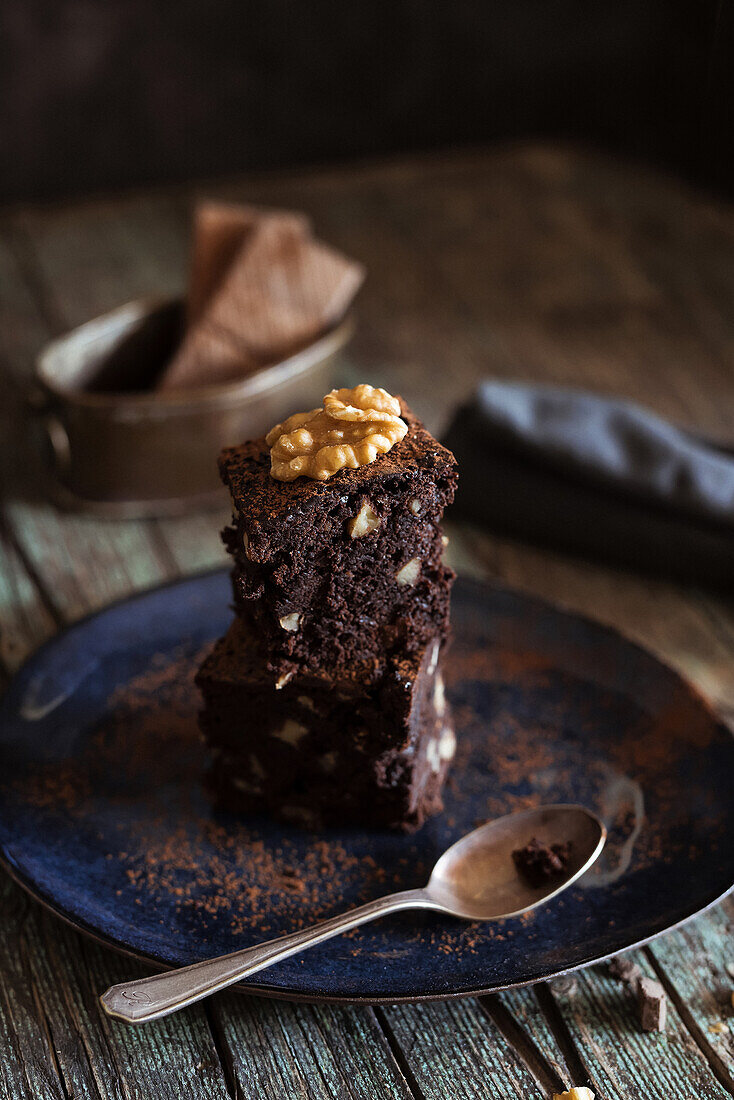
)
(352, 748)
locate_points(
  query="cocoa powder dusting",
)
(527, 734)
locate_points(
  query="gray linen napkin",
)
(597, 476)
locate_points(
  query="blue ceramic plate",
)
(104, 819)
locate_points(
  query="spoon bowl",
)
(476, 877)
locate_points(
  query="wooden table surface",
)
(527, 262)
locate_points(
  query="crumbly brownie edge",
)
(275, 515)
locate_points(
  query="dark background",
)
(97, 94)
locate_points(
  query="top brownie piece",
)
(297, 516)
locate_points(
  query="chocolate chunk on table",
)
(651, 1005)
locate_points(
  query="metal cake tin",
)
(118, 450)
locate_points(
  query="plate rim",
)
(273, 993)
(263, 989)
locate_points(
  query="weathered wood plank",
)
(22, 330)
(51, 981)
(452, 1049)
(25, 621)
(168, 1058)
(27, 1065)
(697, 967)
(193, 543)
(621, 1061)
(589, 273)
(85, 563)
(526, 1011)
(22, 322)
(93, 256)
(281, 1051)
(529, 260)
(126, 248)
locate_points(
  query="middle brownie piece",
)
(328, 747)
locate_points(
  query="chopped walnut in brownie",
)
(540, 863)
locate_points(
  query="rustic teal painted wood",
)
(85, 563)
(523, 1005)
(452, 1049)
(622, 1060)
(58, 1035)
(194, 543)
(25, 622)
(276, 1050)
(447, 244)
(27, 1066)
(697, 964)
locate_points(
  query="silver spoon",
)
(475, 879)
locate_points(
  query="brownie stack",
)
(324, 703)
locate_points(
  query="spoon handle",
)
(150, 998)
